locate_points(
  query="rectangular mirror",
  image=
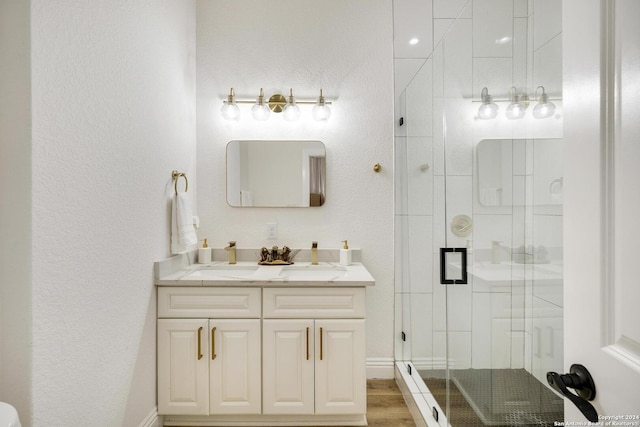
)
(272, 173)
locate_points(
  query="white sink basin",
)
(222, 272)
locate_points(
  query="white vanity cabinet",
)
(209, 365)
(314, 351)
(265, 356)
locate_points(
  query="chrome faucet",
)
(232, 252)
(314, 253)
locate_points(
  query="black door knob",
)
(580, 380)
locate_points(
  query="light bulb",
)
(488, 110)
(291, 110)
(515, 111)
(260, 111)
(544, 108)
(517, 108)
(230, 110)
(321, 111)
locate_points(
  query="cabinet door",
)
(183, 369)
(234, 356)
(340, 378)
(288, 366)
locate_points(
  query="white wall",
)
(113, 93)
(345, 48)
(15, 206)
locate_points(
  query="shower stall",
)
(478, 170)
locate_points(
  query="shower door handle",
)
(463, 266)
(579, 379)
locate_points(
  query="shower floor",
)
(495, 397)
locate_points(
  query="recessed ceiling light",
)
(414, 41)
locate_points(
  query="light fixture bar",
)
(276, 103)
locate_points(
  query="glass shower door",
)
(502, 204)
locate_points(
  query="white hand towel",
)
(183, 234)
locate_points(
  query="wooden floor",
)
(386, 406)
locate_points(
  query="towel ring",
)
(175, 175)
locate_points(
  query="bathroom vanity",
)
(244, 344)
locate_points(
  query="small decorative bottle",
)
(204, 253)
(345, 254)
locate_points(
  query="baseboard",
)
(152, 419)
(380, 368)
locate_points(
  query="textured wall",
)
(113, 113)
(15, 206)
(346, 49)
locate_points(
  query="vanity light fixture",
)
(544, 108)
(488, 109)
(277, 103)
(518, 106)
(230, 110)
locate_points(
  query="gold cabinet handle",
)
(213, 343)
(307, 343)
(320, 343)
(200, 343)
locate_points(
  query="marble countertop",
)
(178, 271)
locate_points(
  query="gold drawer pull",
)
(307, 343)
(320, 343)
(200, 343)
(213, 343)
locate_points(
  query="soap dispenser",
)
(204, 253)
(345, 254)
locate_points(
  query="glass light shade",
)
(291, 112)
(544, 108)
(230, 111)
(488, 110)
(515, 111)
(260, 112)
(321, 112)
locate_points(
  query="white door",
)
(235, 382)
(341, 383)
(288, 366)
(183, 371)
(602, 202)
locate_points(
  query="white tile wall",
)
(547, 18)
(419, 233)
(421, 326)
(493, 28)
(547, 67)
(458, 59)
(418, 116)
(451, 8)
(419, 175)
(440, 28)
(521, 8)
(496, 74)
(411, 18)
(460, 350)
